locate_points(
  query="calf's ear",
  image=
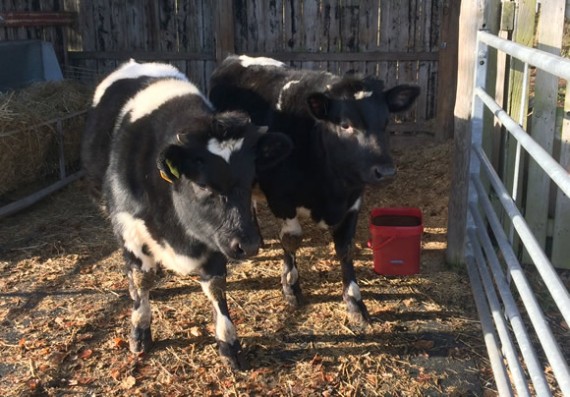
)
(175, 161)
(271, 149)
(401, 97)
(319, 105)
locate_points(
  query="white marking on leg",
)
(224, 149)
(292, 276)
(133, 70)
(246, 61)
(354, 291)
(225, 329)
(291, 226)
(141, 317)
(285, 88)
(356, 205)
(362, 94)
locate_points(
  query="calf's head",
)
(354, 113)
(211, 168)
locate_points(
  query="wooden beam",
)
(374, 56)
(141, 55)
(471, 19)
(447, 70)
(44, 18)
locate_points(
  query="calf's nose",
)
(382, 172)
(242, 248)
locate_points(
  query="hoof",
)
(293, 296)
(140, 340)
(358, 321)
(357, 313)
(232, 355)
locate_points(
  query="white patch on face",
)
(136, 235)
(224, 149)
(225, 329)
(157, 94)
(285, 88)
(292, 276)
(354, 291)
(141, 317)
(362, 94)
(291, 227)
(246, 61)
(356, 205)
(133, 70)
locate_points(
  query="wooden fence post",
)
(470, 21)
(224, 29)
(543, 125)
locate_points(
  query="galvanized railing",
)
(517, 366)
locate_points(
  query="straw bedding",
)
(64, 316)
(30, 152)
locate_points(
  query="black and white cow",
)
(176, 178)
(338, 128)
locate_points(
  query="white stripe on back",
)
(155, 95)
(133, 70)
(246, 61)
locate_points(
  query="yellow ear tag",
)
(164, 176)
(173, 169)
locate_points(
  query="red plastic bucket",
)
(396, 235)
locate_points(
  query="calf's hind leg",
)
(291, 237)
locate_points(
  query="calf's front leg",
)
(140, 284)
(343, 236)
(214, 286)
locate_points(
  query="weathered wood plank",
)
(543, 125)
(447, 67)
(224, 29)
(561, 232)
(523, 34)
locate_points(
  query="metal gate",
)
(526, 355)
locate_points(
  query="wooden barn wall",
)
(53, 34)
(398, 40)
(339, 33)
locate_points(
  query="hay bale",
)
(30, 152)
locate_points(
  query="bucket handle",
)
(385, 242)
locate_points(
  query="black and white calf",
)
(176, 179)
(338, 128)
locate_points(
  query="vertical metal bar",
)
(489, 335)
(511, 310)
(517, 373)
(60, 136)
(545, 336)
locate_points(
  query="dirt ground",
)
(65, 309)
